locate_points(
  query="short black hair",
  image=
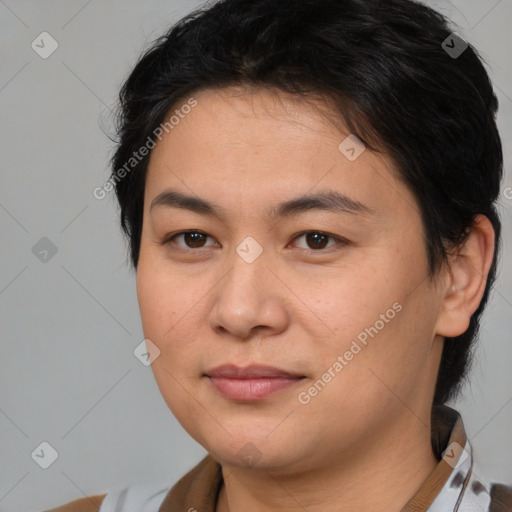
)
(392, 82)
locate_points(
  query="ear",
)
(466, 279)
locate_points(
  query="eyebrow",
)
(328, 200)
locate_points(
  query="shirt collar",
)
(446, 489)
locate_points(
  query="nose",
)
(249, 301)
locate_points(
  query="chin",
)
(249, 448)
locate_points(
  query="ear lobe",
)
(466, 279)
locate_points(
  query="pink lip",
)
(250, 383)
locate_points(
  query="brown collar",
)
(199, 489)
(447, 428)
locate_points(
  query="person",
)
(309, 192)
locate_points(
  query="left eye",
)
(316, 240)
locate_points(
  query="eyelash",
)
(340, 241)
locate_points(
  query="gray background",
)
(69, 326)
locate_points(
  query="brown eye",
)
(192, 239)
(316, 240)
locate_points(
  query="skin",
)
(297, 306)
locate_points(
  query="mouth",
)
(251, 383)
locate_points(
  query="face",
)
(329, 293)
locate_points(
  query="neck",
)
(363, 480)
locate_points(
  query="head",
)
(245, 108)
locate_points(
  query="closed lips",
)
(251, 372)
(252, 383)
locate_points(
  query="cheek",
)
(173, 316)
(154, 304)
(372, 313)
(345, 300)
(164, 299)
(159, 312)
(166, 323)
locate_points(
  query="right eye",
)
(193, 240)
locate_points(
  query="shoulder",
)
(87, 504)
(140, 496)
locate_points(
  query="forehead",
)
(260, 146)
